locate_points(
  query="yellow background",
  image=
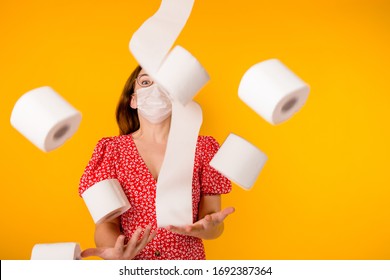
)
(324, 192)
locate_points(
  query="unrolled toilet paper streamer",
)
(273, 91)
(177, 71)
(182, 76)
(153, 40)
(45, 118)
(56, 251)
(174, 185)
(239, 160)
(106, 200)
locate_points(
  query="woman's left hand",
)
(209, 227)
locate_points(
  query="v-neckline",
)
(143, 161)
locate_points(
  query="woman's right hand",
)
(121, 251)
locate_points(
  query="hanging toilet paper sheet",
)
(153, 40)
(239, 160)
(106, 200)
(181, 76)
(273, 91)
(174, 185)
(45, 118)
(56, 251)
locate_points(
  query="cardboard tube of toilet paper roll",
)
(106, 200)
(153, 40)
(45, 118)
(56, 251)
(273, 91)
(181, 76)
(239, 161)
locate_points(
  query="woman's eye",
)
(144, 81)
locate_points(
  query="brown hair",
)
(127, 117)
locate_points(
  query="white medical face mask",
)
(153, 104)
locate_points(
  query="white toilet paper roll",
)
(239, 160)
(56, 251)
(273, 91)
(106, 200)
(181, 75)
(45, 118)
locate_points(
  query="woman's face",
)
(152, 102)
(143, 80)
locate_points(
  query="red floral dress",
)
(118, 158)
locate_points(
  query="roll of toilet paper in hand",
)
(106, 200)
(273, 91)
(239, 161)
(56, 251)
(45, 118)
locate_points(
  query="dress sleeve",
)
(212, 182)
(101, 166)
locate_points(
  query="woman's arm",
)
(210, 222)
(107, 233)
(208, 205)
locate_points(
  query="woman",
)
(135, 158)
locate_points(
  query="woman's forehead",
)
(142, 72)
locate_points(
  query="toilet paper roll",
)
(181, 75)
(273, 91)
(56, 251)
(239, 161)
(45, 118)
(106, 200)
